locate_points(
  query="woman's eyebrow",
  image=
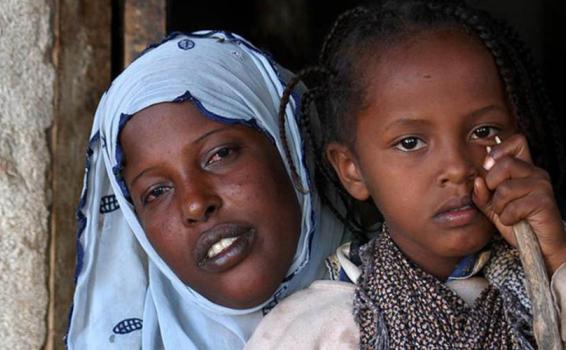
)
(211, 132)
(138, 176)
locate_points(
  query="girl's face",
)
(214, 200)
(433, 104)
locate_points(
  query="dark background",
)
(293, 30)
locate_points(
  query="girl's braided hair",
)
(358, 35)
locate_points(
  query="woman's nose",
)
(199, 203)
(457, 166)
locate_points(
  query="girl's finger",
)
(523, 208)
(481, 195)
(482, 200)
(544, 219)
(515, 146)
(515, 189)
(508, 167)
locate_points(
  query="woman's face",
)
(214, 200)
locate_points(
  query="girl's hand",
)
(513, 189)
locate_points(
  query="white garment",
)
(126, 297)
(321, 316)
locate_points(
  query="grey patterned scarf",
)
(397, 305)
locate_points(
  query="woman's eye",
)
(155, 193)
(409, 144)
(220, 154)
(484, 132)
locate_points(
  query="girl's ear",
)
(345, 165)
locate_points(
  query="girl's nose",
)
(457, 166)
(199, 203)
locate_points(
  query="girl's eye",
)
(484, 132)
(219, 155)
(155, 193)
(410, 144)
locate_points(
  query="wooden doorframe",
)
(144, 23)
(82, 55)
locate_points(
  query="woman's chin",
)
(242, 302)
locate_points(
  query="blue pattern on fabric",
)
(128, 325)
(186, 44)
(273, 303)
(230, 37)
(108, 204)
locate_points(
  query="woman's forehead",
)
(165, 122)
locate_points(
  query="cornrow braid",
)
(357, 33)
(285, 97)
(523, 85)
(542, 112)
(328, 177)
(283, 134)
(361, 32)
(314, 147)
(341, 23)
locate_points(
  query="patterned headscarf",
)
(126, 296)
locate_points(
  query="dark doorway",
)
(293, 30)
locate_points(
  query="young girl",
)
(414, 93)
(190, 227)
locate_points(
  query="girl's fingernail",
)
(488, 163)
(476, 185)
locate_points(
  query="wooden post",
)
(545, 321)
(81, 54)
(144, 23)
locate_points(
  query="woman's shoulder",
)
(319, 316)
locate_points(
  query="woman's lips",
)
(224, 246)
(457, 212)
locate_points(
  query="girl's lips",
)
(231, 255)
(456, 217)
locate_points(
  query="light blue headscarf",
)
(126, 297)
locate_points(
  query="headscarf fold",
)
(126, 296)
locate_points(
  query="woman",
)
(133, 287)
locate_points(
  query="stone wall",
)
(54, 66)
(27, 82)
